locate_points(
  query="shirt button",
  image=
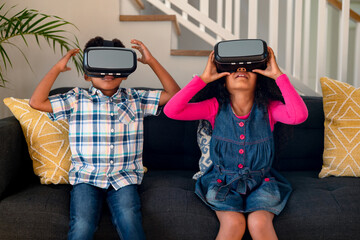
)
(241, 151)
(111, 161)
(112, 114)
(242, 136)
(111, 146)
(219, 181)
(240, 166)
(241, 124)
(267, 179)
(112, 130)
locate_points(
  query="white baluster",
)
(321, 43)
(274, 25)
(237, 7)
(219, 16)
(204, 9)
(289, 35)
(357, 56)
(306, 52)
(228, 15)
(297, 38)
(252, 22)
(343, 41)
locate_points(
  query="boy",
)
(106, 141)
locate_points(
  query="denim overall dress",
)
(241, 178)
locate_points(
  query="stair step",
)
(134, 18)
(199, 53)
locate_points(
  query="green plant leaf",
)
(30, 22)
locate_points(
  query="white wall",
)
(92, 18)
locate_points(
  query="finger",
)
(224, 74)
(262, 72)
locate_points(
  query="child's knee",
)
(234, 224)
(259, 221)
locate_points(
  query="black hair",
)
(99, 41)
(266, 90)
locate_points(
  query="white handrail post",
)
(219, 15)
(252, 23)
(289, 39)
(237, 7)
(204, 9)
(297, 38)
(228, 15)
(274, 25)
(306, 52)
(357, 56)
(321, 43)
(343, 41)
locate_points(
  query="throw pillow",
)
(341, 103)
(47, 141)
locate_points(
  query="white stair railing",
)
(289, 27)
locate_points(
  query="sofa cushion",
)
(325, 208)
(174, 147)
(41, 211)
(342, 129)
(47, 141)
(300, 147)
(171, 209)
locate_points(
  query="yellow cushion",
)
(342, 129)
(47, 141)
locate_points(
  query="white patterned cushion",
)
(204, 132)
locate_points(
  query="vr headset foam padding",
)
(105, 60)
(244, 54)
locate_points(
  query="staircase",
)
(311, 39)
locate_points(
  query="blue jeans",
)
(85, 210)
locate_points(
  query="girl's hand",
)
(62, 64)
(210, 73)
(145, 53)
(272, 70)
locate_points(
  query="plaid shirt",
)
(105, 134)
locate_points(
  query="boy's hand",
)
(146, 56)
(272, 70)
(62, 64)
(210, 73)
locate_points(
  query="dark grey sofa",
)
(317, 209)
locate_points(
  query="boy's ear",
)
(87, 78)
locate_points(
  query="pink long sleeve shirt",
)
(294, 111)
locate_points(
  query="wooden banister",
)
(337, 4)
(140, 4)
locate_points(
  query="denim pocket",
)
(267, 195)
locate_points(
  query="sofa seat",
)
(316, 206)
(318, 209)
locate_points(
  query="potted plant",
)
(30, 22)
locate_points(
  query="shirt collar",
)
(94, 91)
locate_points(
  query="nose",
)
(241, 69)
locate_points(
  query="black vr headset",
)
(109, 60)
(240, 55)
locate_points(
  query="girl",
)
(242, 109)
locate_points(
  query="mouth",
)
(241, 75)
(108, 78)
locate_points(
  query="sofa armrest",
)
(14, 157)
